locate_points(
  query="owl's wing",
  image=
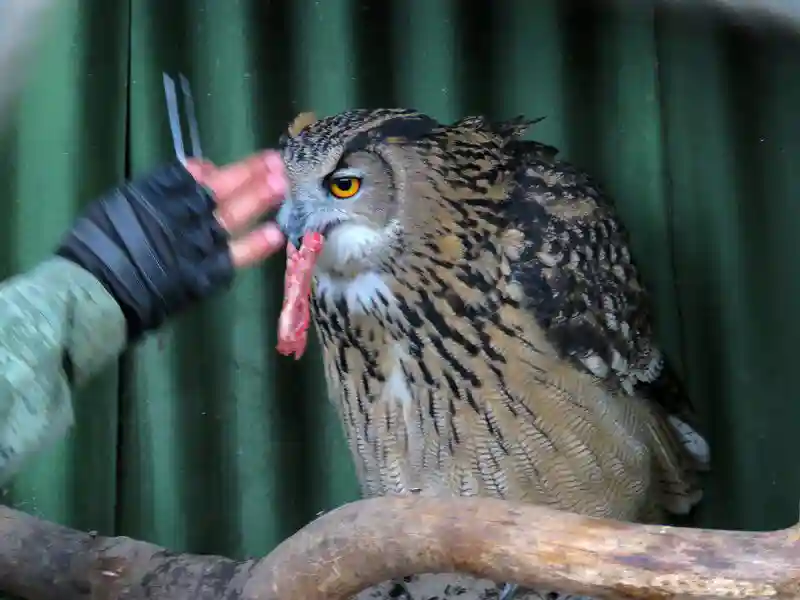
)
(580, 281)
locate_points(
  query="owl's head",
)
(348, 179)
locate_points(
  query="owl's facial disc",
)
(352, 241)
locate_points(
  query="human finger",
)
(257, 245)
(250, 202)
(225, 182)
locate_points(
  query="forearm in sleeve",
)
(58, 327)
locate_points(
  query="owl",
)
(484, 329)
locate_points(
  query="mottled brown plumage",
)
(485, 331)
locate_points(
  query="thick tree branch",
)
(370, 541)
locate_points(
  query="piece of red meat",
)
(296, 311)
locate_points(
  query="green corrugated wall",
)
(203, 438)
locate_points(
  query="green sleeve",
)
(58, 327)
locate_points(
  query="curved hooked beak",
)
(291, 220)
(299, 216)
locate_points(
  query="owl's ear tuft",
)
(508, 130)
(514, 128)
(300, 122)
(471, 122)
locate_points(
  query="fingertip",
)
(276, 178)
(258, 245)
(273, 237)
(277, 186)
(273, 160)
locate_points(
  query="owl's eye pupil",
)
(344, 184)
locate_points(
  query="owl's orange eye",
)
(344, 187)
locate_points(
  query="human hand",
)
(244, 191)
(177, 234)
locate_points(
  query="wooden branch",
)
(366, 542)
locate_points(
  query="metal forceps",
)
(173, 111)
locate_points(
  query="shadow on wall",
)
(211, 442)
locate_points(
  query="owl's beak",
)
(291, 221)
(299, 216)
(295, 239)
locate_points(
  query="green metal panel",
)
(209, 441)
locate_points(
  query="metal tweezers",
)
(173, 111)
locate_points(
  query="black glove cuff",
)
(155, 244)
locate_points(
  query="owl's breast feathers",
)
(520, 351)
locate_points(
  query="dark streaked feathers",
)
(499, 341)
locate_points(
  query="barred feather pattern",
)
(505, 348)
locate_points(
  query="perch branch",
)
(367, 542)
